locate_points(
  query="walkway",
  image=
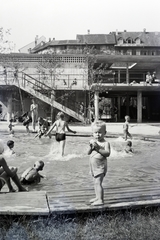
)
(41, 203)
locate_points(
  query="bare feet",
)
(12, 190)
(93, 200)
(22, 189)
(97, 203)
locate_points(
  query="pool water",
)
(73, 169)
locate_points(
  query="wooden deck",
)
(72, 201)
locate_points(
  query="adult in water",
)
(60, 125)
(34, 113)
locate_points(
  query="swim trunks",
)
(60, 137)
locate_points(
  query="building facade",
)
(96, 74)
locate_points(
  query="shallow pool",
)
(73, 169)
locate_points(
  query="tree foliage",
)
(6, 46)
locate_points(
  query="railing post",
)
(127, 74)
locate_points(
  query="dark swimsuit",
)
(60, 137)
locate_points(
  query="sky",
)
(64, 19)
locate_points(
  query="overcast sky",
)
(63, 19)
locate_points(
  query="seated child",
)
(43, 127)
(129, 148)
(7, 173)
(10, 145)
(31, 175)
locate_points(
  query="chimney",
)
(49, 39)
(125, 30)
(144, 30)
(36, 39)
(88, 31)
(116, 32)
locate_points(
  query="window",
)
(138, 40)
(129, 40)
(134, 52)
(120, 41)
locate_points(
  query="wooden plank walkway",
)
(75, 200)
(24, 203)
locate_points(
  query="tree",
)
(6, 46)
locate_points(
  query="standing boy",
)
(126, 127)
(60, 125)
(99, 151)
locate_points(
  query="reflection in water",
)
(73, 168)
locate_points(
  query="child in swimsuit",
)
(31, 175)
(60, 125)
(99, 150)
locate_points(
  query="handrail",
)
(38, 81)
(51, 92)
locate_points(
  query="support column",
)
(139, 107)
(127, 74)
(119, 76)
(119, 108)
(9, 109)
(96, 104)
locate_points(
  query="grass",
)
(122, 225)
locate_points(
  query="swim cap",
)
(1, 147)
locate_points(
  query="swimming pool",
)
(143, 167)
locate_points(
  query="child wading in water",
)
(43, 127)
(10, 127)
(60, 125)
(99, 151)
(126, 127)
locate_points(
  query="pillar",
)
(139, 106)
(119, 76)
(96, 104)
(119, 108)
(9, 109)
(127, 74)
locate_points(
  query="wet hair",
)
(60, 114)
(10, 143)
(99, 124)
(40, 119)
(127, 117)
(39, 165)
(129, 143)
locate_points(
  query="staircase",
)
(45, 93)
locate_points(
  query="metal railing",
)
(37, 86)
